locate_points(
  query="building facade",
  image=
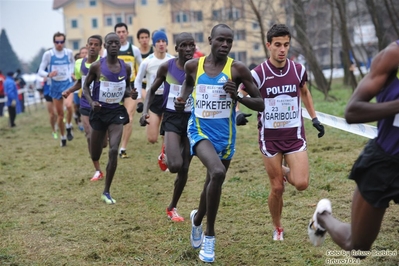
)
(83, 18)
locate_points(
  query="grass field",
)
(51, 214)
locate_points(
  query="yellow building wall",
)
(156, 16)
(83, 13)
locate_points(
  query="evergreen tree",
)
(35, 63)
(8, 59)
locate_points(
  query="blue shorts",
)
(57, 87)
(224, 149)
(76, 99)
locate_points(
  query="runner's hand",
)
(95, 106)
(318, 126)
(231, 88)
(241, 118)
(179, 104)
(143, 120)
(134, 94)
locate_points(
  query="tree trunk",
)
(314, 68)
(346, 45)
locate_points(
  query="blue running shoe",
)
(106, 197)
(207, 253)
(196, 235)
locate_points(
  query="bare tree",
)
(301, 35)
(346, 44)
(393, 15)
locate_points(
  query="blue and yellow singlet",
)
(213, 111)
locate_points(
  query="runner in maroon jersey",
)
(282, 84)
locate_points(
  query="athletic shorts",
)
(175, 122)
(376, 174)
(102, 119)
(76, 98)
(84, 111)
(273, 147)
(156, 105)
(48, 98)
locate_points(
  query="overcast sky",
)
(30, 25)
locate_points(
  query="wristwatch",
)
(240, 96)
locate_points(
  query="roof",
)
(60, 3)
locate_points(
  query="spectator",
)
(2, 79)
(11, 91)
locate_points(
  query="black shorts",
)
(175, 122)
(48, 98)
(102, 119)
(84, 111)
(156, 105)
(376, 174)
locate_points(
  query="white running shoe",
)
(316, 233)
(207, 253)
(196, 235)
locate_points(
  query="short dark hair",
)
(120, 24)
(98, 37)
(219, 26)
(58, 34)
(278, 30)
(141, 31)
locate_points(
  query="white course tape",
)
(363, 130)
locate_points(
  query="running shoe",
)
(196, 235)
(316, 233)
(98, 175)
(278, 234)
(173, 215)
(55, 135)
(63, 142)
(106, 197)
(162, 159)
(207, 253)
(123, 154)
(69, 134)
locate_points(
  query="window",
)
(108, 21)
(74, 23)
(118, 19)
(197, 16)
(180, 17)
(94, 23)
(161, 2)
(256, 46)
(217, 14)
(199, 37)
(93, 3)
(129, 19)
(234, 14)
(240, 56)
(239, 35)
(143, 2)
(75, 44)
(255, 25)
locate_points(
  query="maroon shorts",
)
(273, 147)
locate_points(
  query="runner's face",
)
(94, 47)
(160, 46)
(83, 53)
(144, 39)
(278, 49)
(59, 42)
(122, 33)
(186, 49)
(221, 42)
(112, 44)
